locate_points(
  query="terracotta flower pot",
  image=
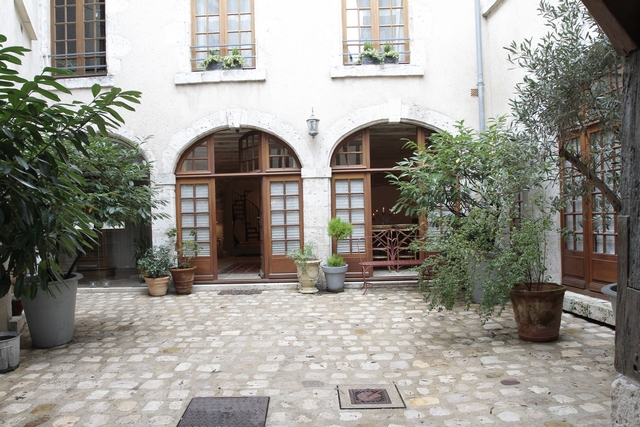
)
(183, 279)
(157, 285)
(538, 312)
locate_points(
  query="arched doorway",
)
(240, 195)
(361, 192)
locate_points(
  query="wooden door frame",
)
(282, 261)
(199, 262)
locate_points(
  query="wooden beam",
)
(619, 21)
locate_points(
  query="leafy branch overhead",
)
(49, 199)
(572, 84)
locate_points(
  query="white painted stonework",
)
(298, 67)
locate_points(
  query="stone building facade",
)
(228, 145)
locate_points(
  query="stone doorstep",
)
(16, 323)
(589, 307)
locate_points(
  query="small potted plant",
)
(389, 55)
(156, 263)
(183, 273)
(369, 55)
(308, 266)
(234, 61)
(335, 268)
(213, 61)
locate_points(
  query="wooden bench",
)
(389, 248)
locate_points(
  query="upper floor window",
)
(221, 25)
(377, 21)
(79, 36)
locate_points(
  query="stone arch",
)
(392, 112)
(230, 119)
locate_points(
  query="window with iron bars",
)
(79, 36)
(220, 26)
(375, 21)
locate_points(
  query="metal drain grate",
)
(359, 396)
(369, 396)
(240, 292)
(226, 412)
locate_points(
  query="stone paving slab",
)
(139, 360)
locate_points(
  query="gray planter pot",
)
(334, 277)
(9, 351)
(611, 290)
(367, 60)
(51, 319)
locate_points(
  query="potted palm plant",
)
(335, 268)
(183, 273)
(46, 190)
(156, 263)
(308, 268)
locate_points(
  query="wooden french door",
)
(350, 204)
(196, 211)
(589, 259)
(282, 224)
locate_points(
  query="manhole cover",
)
(240, 292)
(369, 396)
(226, 412)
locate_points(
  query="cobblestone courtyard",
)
(138, 360)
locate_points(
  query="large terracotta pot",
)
(183, 279)
(157, 285)
(538, 312)
(308, 276)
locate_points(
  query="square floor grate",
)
(226, 412)
(240, 292)
(369, 397)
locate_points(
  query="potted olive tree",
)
(480, 179)
(51, 189)
(308, 268)
(335, 268)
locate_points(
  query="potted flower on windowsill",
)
(213, 61)
(389, 55)
(308, 268)
(235, 61)
(184, 273)
(368, 56)
(335, 268)
(156, 263)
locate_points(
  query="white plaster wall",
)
(12, 28)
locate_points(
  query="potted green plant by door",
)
(335, 268)
(49, 180)
(308, 268)
(183, 273)
(156, 263)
